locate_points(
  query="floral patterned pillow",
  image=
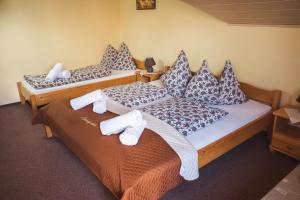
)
(230, 91)
(177, 78)
(203, 86)
(109, 57)
(208, 90)
(124, 59)
(186, 115)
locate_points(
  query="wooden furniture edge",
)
(48, 131)
(21, 96)
(37, 100)
(139, 64)
(225, 144)
(218, 148)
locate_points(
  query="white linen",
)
(132, 134)
(82, 101)
(239, 115)
(118, 124)
(99, 106)
(187, 153)
(64, 74)
(56, 69)
(114, 75)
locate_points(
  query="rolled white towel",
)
(99, 106)
(131, 135)
(118, 124)
(56, 69)
(64, 74)
(86, 99)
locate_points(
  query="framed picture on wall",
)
(145, 4)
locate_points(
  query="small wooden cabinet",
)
(147, 76)
(285, 136)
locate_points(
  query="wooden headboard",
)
(269, 97)
(139, 64)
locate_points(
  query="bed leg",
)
(34, 107)
(138, 76)
(21, 96)
(48, 131)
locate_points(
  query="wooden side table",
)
(147, 76)
(285, 136)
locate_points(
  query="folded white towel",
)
(86, 99)
(99, 106)
(64, 74)
(56, 69)
(118, 124)
(131, 135)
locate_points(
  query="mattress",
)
(239, 115)
(115, 74)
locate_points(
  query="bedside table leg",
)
(48, 131)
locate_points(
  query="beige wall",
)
(267, 57)
(35, 34)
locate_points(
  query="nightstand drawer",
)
(285, 147)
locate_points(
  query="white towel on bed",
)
(53, 73)
(119, 123)
(99, 106)
(64, 74)
(131, 135)
(86, 99)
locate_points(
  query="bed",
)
(126, 171)
(41, 97)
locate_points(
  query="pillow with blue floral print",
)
(209, 90)
(178, 76)
(124, 60)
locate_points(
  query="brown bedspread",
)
(144, 171)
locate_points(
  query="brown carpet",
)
(33, 167)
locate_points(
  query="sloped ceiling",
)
(256, 12)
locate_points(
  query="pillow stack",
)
(118, 59)
(208, 90)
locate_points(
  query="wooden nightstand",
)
(285, 137)
(147, 76)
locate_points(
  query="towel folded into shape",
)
(131, 135)
(120, 123)
(86, 99)
(64, 74)
(99, 106)
(53, 73)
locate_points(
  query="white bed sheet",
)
(239, 115)
(115, 74)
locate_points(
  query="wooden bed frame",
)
(225, 144)
(36, 100)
